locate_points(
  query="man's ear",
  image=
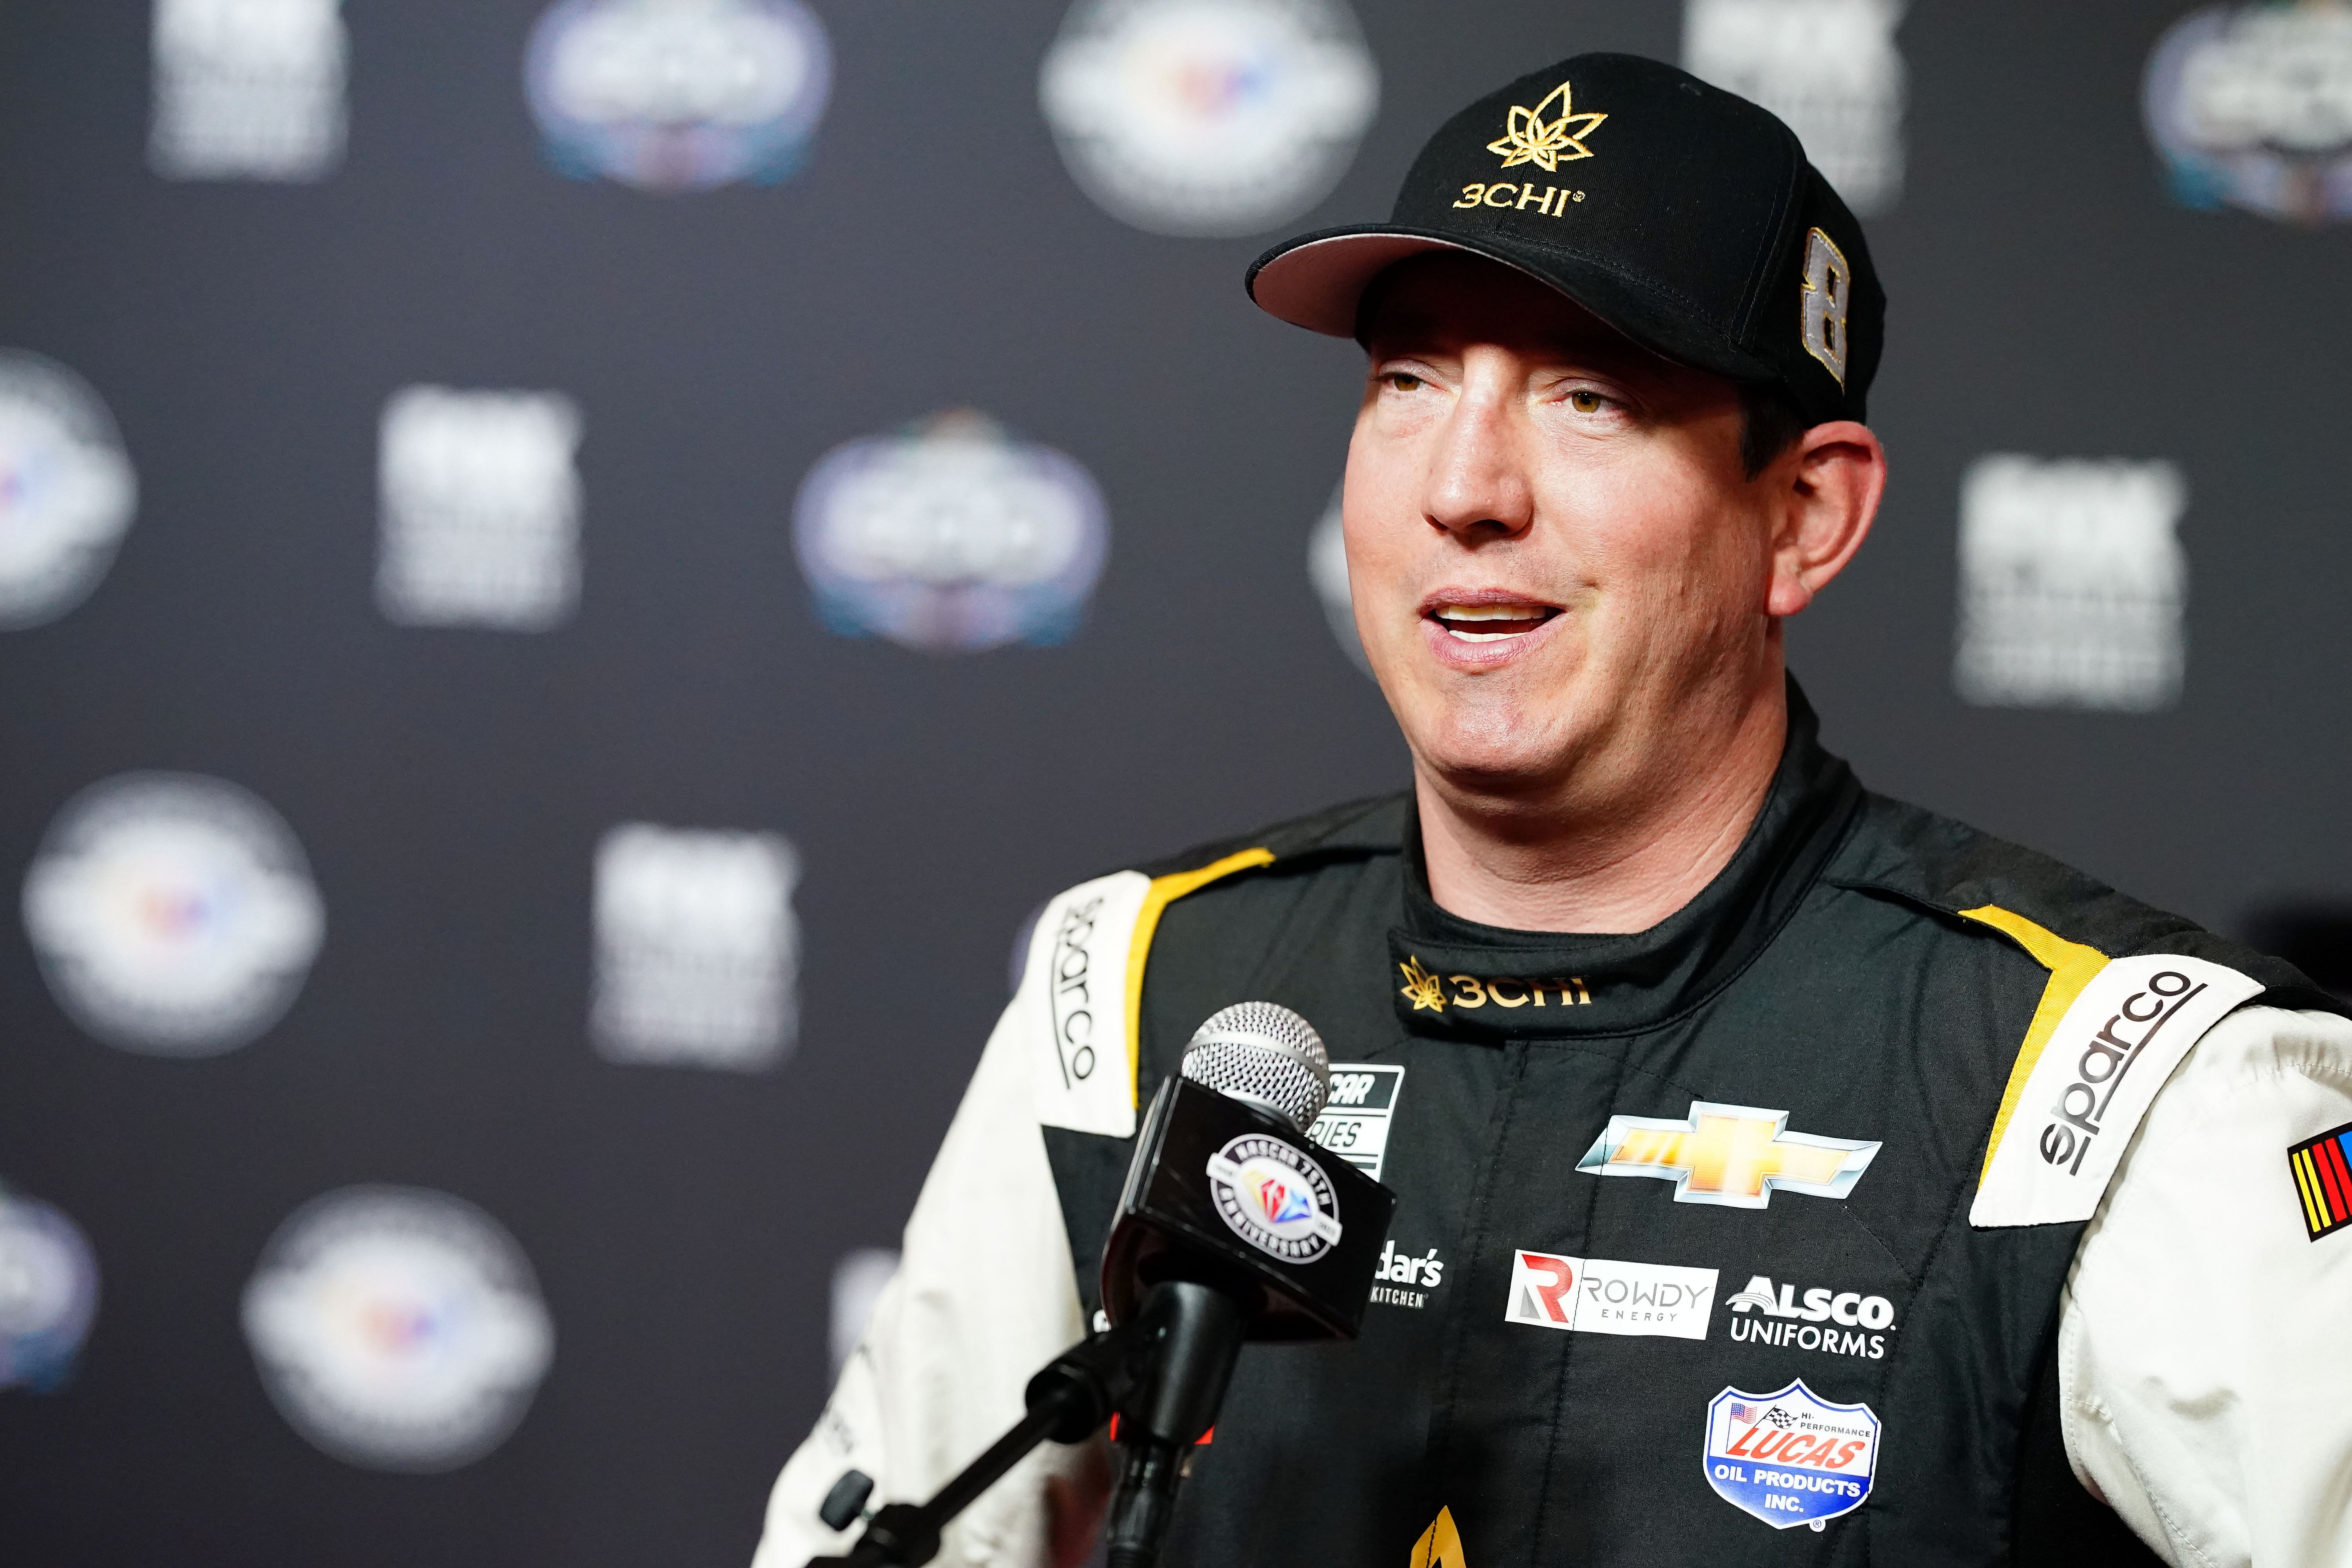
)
(1826, 491)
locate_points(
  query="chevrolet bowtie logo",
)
(1731, 1155)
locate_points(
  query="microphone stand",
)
(1176, 1354)
(1179, 1403)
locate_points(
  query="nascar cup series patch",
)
(1790, 1457)
(1275, 1198)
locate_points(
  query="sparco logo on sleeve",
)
(1071, 989)
(1073, 1000)
(2062, 1129)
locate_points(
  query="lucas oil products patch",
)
(1790, 1457)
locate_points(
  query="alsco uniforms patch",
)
(1790, 1457)
(2323, 1180)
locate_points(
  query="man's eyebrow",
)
(1594, 344)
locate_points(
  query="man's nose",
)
(1478, 485)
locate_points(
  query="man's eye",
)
(1402, 380)
(1587, 401)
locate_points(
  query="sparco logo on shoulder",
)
(2079, 1115)
(1274, 1197)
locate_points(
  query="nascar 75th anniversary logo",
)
(1275, 1198)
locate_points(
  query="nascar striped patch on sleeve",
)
(2323, 1180)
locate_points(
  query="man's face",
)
(1553, 549)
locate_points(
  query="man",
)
(1760, 1143)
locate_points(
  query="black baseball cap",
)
(1682, 215)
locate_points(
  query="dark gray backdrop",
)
(450, 786)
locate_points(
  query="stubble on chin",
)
(1491, 750)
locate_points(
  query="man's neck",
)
(1621, 864)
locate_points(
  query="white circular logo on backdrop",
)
(1327, 568)
(48, 1293)
(67, 490)
(1274, 1197)
(951, 537)
(679, 95)
(1208, 117)
(172, 914)
(2252, 106)
(398, 1329)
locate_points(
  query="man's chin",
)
(1498, 774)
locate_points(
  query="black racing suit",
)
(1696, 1242)
(1827, 972)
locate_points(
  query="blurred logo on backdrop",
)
(1327, 568)
(67, 490)
(48, 1293)
(679, 95)
(697, 950)
(248, 90)
(2072, 583)
(857, 1282)
(1207, 117)
(1829, 67)
(174, 915)
(479, 504)
(951, 537)
(397, 1329)
(2250, 106)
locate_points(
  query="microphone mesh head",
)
(1267, 1055)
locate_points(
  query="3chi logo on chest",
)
(1427, 990)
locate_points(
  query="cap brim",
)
(1318, 281)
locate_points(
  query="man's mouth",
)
(1491, 623)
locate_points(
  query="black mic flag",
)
(1233, 1225)
(1224, 1193)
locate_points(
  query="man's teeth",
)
(1526, 618)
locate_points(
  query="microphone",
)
(1233, 1225)
(1231, 1228)
(1227, 1189)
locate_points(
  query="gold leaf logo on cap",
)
(1547, 143)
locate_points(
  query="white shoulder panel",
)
(983, 1297)
(2205, 1388)
(1073, 1002)
(2083, 1096)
